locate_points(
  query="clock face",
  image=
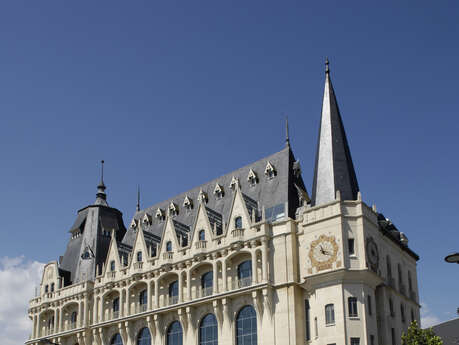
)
(323, 252)
(372, 254)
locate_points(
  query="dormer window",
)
(218, 191)
(160, 214)
(112, 265)
(134, 224)
(46, 288)
(270, 171)
(188, 203)
(252, 178)
(234, 183)
(146, 220)
(173, 209)
(139, 256)
(153, 250)
(238, 222)
(52, 287)
(168, 246)
(202, 196)
(202, 235)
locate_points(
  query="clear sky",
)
(174, 93)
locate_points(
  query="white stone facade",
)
(283, 279)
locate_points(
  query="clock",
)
(372, 254)
(323, 252)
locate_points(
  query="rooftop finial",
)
(327, 63)
(102, 172)
(101, 196)
(138, 198)
(287, 139)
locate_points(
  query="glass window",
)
(112, 265)
(116, 305)
(207, 283)
(355, 341)
(169, 246)
(143, 297)
(307, 316)
(46, 289)
(174, 334)
(116, 340)
(400, 280)
(402, 312)
(369, 305)
(139, 256)
(208, 330)
(52, 287)
(244, 273)
(202, 235)
(144, 337)
(329, 314)
(73, 317)
(246, 326)
(372, 339)
(153, 250)
(391, 307)
(389, 267)
(173, 292)
(350, 243)
(238, 222)
(392, 332)
(352, 306)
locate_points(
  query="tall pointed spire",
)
(101, 197)
(287, 138)
(334, 170)
(138, 198)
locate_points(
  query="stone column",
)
(180, 287)
(80, 314)
(61, 319)
(121, 311)
(94, 312)
(225, 280)
(215, 275)
(101, 309)
(264, 260)
(254, 267)
(56, 320)
(188, 284)
(157, 293)
(149, 297)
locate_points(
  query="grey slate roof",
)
(448, 331)
(267, 193)
(333, 169)
(94, 224)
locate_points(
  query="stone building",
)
(248, 258)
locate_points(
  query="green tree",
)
(418, 336)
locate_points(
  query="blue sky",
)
(172, 94)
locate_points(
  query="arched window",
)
(244, 273)
(112, 265)
(143, 300)
(174, 334)
(73, 317)
(139, 256)
(52, 287)
(116, 340)
(207, 283)
(329, 314)
(246, 326)
(238, 222)
(208, 330)
(202, 235)
(173, 292)
(168, 246)
(144, 337)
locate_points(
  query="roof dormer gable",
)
(169, 242)
(112, 262)
(239, 216)
(202, 230)
(139, 252)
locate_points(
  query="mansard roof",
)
(267, 192)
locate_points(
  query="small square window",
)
(355, 341)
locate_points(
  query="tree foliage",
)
(418, 336)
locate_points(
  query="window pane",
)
(144, 337)
(208, 330)
(246, 326)
(174, 334)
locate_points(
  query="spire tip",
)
(327, 67)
